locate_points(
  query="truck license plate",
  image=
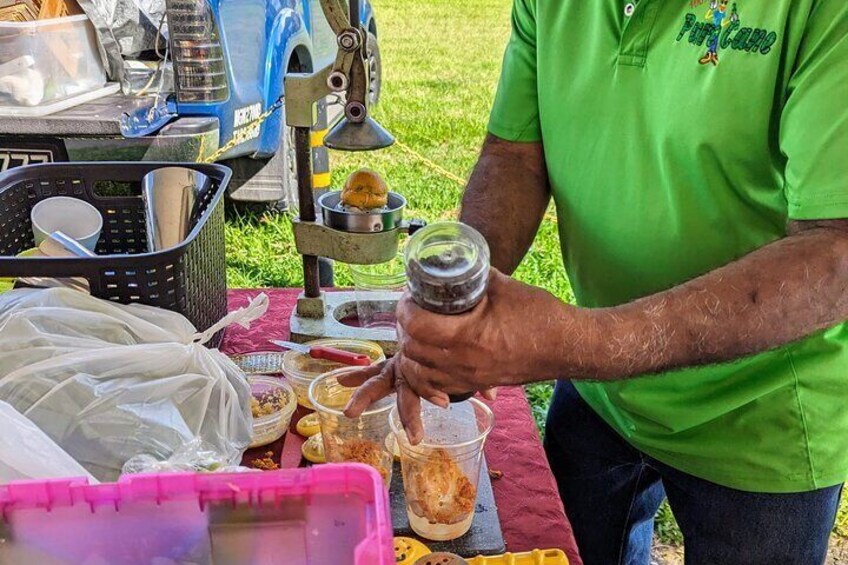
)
(11, 158)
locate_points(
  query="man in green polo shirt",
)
(697, 154)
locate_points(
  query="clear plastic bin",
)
(326, 515)
(300, 369)
(48, 61)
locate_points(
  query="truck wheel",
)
(253, 177)
(375, 65)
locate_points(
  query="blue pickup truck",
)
(229, 59)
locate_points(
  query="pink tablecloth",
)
(528, 504)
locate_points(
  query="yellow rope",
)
(430, 164)
(448, 214)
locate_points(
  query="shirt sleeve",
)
(515, 115)
(814, 123)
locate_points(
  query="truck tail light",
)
(196, 51)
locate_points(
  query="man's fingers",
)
(437, 397)
(490, 393)
(370, 392)
(423, 326)
(409, 410)
(427, 382)
(421, 353)
(359, 376)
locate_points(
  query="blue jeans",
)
(612, 491)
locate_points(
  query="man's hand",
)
(489, 346)
(499, 342)
(380, 380)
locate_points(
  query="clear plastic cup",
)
(357, 440)
(441, 474)
(378, 288)
(300, 369)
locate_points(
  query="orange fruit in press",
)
(366, 190)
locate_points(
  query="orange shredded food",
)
(265, 463)
(437, 489)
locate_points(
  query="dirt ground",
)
(673, 555)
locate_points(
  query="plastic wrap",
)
(192, 457)
(108, 382)
(26, 453)
(126, 28)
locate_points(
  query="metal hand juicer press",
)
(358, 238)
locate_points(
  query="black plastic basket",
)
(189, 279)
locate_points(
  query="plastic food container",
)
(378, 289)
(354, 440)
(441, 474)
(335, 514)
(45, 62)
(447, 267)
(410, 551)
(535, 557)
(273, 403)
(301, 369)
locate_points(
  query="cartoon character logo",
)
(717, 16)
(721, 28)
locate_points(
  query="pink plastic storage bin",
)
(325, 515)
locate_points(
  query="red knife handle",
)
(339, 356)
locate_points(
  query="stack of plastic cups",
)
(377, 292)
(441, 474)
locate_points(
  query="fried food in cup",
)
(359, 450)
(438, 490)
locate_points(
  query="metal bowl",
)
(384, 219)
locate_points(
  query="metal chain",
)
(245, 130)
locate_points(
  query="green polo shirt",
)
(679, 136)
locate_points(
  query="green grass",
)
(441, 60)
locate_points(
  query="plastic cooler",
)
(327, 515)
(49, 65)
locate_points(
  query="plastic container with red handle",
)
(301, 368)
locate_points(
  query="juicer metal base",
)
(339, 306)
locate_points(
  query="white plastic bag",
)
(27, 453)
(192, 457)
(108, 382)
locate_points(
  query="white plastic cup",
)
(74, 217)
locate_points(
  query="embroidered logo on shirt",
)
(721, 29)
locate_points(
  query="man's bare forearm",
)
(506, 198)
(778, 294)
